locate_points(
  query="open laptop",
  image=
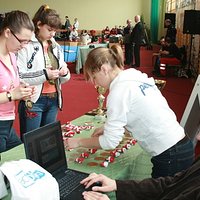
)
(45, 147)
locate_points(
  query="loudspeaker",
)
(191, 24)
(172, 17)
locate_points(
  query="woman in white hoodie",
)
(136, 104)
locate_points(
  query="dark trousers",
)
(8, 136)
(136, 52)
(128, 53)
(43, 112)
(177, 158)
(157, 65)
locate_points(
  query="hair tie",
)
(46, 7)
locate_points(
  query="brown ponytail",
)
(48, 16)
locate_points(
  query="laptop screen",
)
(45, 147)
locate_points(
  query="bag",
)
(30, 181)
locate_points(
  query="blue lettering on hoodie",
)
(143, 87)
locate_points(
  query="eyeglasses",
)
(19, 40)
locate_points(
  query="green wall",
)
(91, 14)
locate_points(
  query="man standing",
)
(171, 30)
(67, 27)
(137, 35)
(67, 23)
(127, 43)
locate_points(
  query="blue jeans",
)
(177, 158)
(43, 112)
(8, 136)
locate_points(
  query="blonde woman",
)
(134, 102)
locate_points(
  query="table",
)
(83, 52)
(133, 164)
(70, 50)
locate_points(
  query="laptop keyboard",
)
(69, 183)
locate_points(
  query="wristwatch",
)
(8, 94)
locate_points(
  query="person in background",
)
(113, 31)
(67, 27)
(73, 36)
(67, 23)
(93, 36)
(171, 30)
(41, 63)
(170, 52)
(76, 24)
(135, 104)
(127, 43)
(120, 31)
(137, 35)
(184, 185)
(15, 33)
(106, 32)
(161, 53)
(85, 38)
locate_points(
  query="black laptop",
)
(45, 147)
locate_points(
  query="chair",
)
(71, 50)
(174, 63)
(166, 63)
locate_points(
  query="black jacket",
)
(137, 33)
(183, 186)
(171, 33)
(174, 51)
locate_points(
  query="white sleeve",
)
(118, 105)
(35, 75)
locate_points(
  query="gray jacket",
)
(31, 65)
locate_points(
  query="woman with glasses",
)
(16, 30)
(41, 63)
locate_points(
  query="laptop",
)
(45, 147)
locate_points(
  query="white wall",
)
(90, 13)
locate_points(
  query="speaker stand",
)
(189, 71)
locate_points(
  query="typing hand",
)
(108, 184)
(94, 196)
